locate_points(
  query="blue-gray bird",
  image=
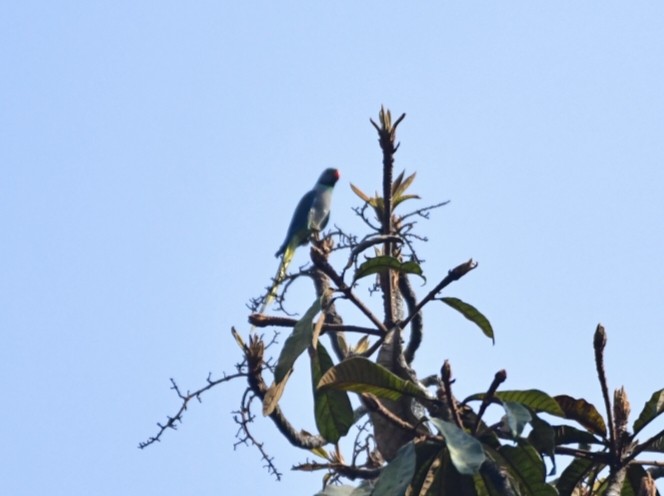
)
(310, 217)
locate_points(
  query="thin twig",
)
(186, 398)
(417, 324)
(347, 471)
(320, 262)
(243, 418)
(260, 320)
(424, 211)
(367, 243)
(453, 275)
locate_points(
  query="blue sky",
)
(152, 154)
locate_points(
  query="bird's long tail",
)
(286, 259)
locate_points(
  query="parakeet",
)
(310, 217)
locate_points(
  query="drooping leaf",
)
(397, 475)
(582, 412)
(428, 460)
(400, 199)
(378, 264)
(432, 479)
(657, 444)
(449, 481)
(466, 451)
(297, 342)
(536, 400)
(543, 438)
(567, 434)
(653, 407)
(361, 375)
(527, 469)
(333, 410)
(634, 476)
(472, 314)
(516, 416)
(574, 473)
(493, 479)
(274, 393)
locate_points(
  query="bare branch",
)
(453, 275)
(321, 262)
(186, 398)
(243, 418)
(424, 212)
(300, 439)
(367, 243)
(361, 212)
(347, 471)
(260, 320)
(416, 323)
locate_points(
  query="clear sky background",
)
(152, 154)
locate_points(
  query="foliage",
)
(417, 437)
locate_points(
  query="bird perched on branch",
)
(310, 217)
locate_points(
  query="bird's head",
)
(329, 177)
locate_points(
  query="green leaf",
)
(397, 182)
(543, 439)
(322, 453)
(397, 475)
(400, 199)
(450, 481)
(361, 375)
(516, 416)
(398, 189)
(428, 460)
(582, 412)
(566, 434)
(657, 444)
(379, 206)
(574, 473)
(274, 393)
(536, 400)
(361, 194)
(466, 451)
(527, 469)
(472, 314)
(635, 474)
(333, 410)
(378, 264)
(653, 407)
(297, 342)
